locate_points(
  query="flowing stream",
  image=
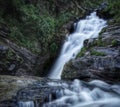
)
(92, 94)
(85, 29)
(78, 93)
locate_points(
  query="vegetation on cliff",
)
(34, 24)
(40, 25)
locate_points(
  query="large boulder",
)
(106, 68)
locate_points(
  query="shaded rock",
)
(105, 68)
(19, 61)
(107, 51)
(4, 31)
(12, 67)
(9, 85)
(43, 91)
(39, 94)
(16, 89)
(89, 42)
(3, 49)
(23, 52)
(70, 27)
(8, 103)
(102, 61)
(21, 72)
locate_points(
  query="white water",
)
(87, 28)
(92, 94)
(26, 104)
(80, 94)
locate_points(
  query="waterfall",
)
(85, 29)
(95, 93)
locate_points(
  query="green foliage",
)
(82, 52)
(39, 24)
(34, 28)
(114, 43)
(30, 12)
(92, 4)
(99, 42)
(47, 27)
(114, 6)
(96, 53)
(17, 36)
(63, 18)
(35, 24)
(53, 48)
(16, 33)
(114, 9)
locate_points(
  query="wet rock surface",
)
(9, 87)
(101, 59)
(57, 93)
(43, 92)
(39, 93)
(14, 90)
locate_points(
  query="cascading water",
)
(85, 29)
(78, 93)
(81, 94)
(26, 104)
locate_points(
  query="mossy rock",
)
(10, 85)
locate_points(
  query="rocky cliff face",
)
(32, 31)
(23, 53)
(31, 34)
(100, 60)
(17, 60)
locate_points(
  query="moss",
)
(96, 53)
(99, 42)
(10, 85)
(114, 43)
(113, 9)
(102, 31)
(82, 52)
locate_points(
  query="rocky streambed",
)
(14, 90)
(43, 92)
